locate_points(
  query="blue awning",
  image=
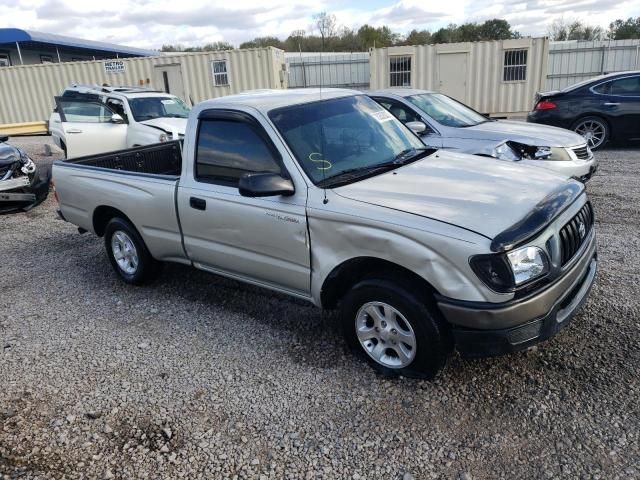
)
(13, 35)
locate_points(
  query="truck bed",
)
(157, 159)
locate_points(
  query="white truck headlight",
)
(163, 137)
(505, 152)
(527, 263)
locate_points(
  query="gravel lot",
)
(197, 376)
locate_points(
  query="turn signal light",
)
(545, 105)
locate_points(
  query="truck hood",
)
(168, 124)
(523, 132)
(480, 194)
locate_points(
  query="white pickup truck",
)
(327, 197)
(91, 120)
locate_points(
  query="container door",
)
(168, 78)
(89, 127)
(452, 75)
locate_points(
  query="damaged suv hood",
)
(480, 194)
(168, 124)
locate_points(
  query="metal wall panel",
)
(343, 70)
(27, 92)
(574, 61)
(484, 86)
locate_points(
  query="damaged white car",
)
(22, 186)
(442, 122)
(90, 119)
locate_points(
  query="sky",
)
(152, 23)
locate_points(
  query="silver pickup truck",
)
(327, 197)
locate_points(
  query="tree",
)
(260, 42)
(326, 24)
(415, 37)
(625, 29)
(209, 47)
(561, 29)
(497, 29)
(376, 37)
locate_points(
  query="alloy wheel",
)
(124, 251)
(593, 131)
(386, 335)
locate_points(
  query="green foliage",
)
(209, 47)
(561, 30)
(625, 29)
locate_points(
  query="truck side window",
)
(117, 106)
(228, 149)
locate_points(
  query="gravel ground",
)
(198, 376)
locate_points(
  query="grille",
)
(581, 152)
(573, 234)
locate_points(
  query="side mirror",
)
(416, 127)
(265, 185)
(115, 118)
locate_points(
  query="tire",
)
(417, 321)
(595, 131)
(128, 254)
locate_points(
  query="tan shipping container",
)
(499, 78)
(27, 92)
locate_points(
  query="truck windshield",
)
(348, 135)
(147, 108)
(447, 111)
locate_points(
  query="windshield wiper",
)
(351, 174)
(408, 155)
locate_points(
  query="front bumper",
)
(484, 329)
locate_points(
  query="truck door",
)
(89, 127)
(261, 240)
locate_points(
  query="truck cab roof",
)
(266, 100)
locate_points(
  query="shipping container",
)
(498, 78)
(27, 92)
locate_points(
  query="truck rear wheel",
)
(128, 254)
(391, 326)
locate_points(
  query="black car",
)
(600, 109)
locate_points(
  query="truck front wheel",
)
(128, 254)
(394, 329)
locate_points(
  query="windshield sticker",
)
(382, 116)
(168, 102)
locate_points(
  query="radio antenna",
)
(322, 139)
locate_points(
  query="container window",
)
(400, 71)
(220, 74)
(515, 65)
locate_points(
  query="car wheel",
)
(391, 326)
(595, 131)
(128, 254)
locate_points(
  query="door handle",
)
(611, 104)
(74, 130)
(197, 203)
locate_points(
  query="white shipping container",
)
(27, 92)
(499, 78)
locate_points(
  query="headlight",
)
(560, 154)
(505, 152)
(164, 137)
(504, 272)
(528, 263)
